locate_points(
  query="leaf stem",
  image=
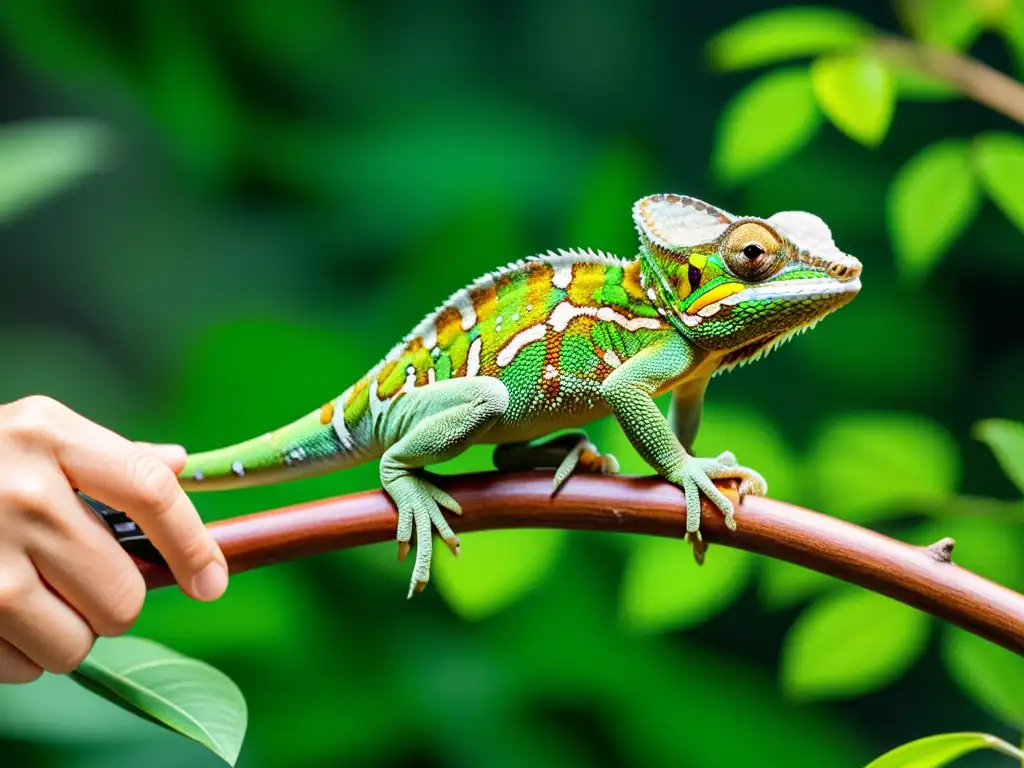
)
(970, 77)
(647, 505)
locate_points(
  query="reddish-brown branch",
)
(919, 576)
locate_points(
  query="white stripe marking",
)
(563, 276)
(509, 351)
(473, 359)
(464, 304)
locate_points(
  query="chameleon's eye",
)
(752, 251)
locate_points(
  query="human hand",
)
(64, 580)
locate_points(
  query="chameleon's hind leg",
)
(435, 423)
(567, 452)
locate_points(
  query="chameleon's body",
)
(556, 341)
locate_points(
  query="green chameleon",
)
(555, 341)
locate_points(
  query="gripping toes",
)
(696, 475)
(419, 505)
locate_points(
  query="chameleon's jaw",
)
(823, 289)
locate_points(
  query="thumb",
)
(174, 456)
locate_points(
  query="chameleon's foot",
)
(695, 475)
(419, 505)
(568, 453)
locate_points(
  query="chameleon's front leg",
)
(628, 391)
(432, 425)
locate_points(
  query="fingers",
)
(88, 568)
(37, 623)
(129, 477)
(15, 666)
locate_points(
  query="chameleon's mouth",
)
(817, 289)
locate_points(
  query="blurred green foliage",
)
(255, 199)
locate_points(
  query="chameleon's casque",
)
(555, 341)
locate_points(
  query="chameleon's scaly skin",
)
(559, 340)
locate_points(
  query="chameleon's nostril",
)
(844, 271)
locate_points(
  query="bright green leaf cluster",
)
(935, 197)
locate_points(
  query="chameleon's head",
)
(740, 285)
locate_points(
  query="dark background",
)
(272, 193)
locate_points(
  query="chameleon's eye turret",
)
(752, 251)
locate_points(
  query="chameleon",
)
(551, 342)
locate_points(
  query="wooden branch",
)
(923, 577)
(970, 77)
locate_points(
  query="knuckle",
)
(126, 596)
(156, 485)
(28, 493)
(69, 659)
(15, 588)
(32, 418)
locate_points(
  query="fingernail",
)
(210, 583)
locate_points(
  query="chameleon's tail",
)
(309, 446)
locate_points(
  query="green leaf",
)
(44, 157)
(953, 24)
(182, 694)
(999, 163)
(785, 33)
(1006, 439)
(931, 201)
(850, 642)
(663, 587)
(990, 675)
(782, 585)
(495, 569)
(763, 124)
(936, 751)
(857, 93)
(870, 465)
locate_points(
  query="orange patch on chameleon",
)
(327, 412)
(485, 302)
(448, 326)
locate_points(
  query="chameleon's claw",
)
(418, 511)
(698, 545)
(452, 542)
(695, 475)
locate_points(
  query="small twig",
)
(968, 76)
(492, 500)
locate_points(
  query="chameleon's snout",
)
(848, 269)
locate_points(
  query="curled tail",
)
(309, 446)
